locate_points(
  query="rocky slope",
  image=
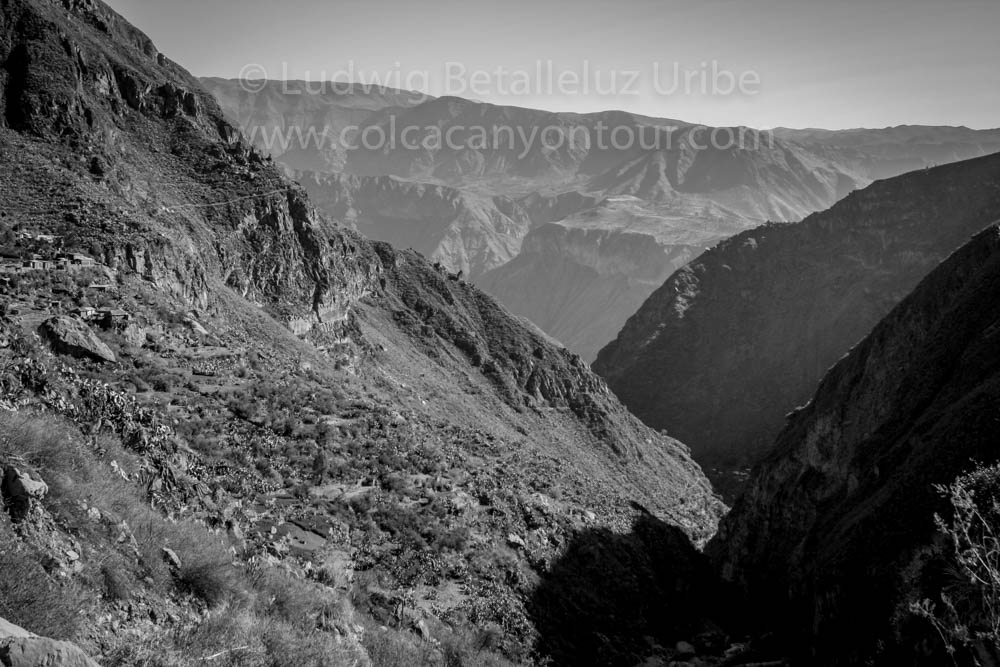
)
(734, 341)
(832, 536)
(325, 404)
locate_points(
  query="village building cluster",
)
(35, 262)
(50, 260)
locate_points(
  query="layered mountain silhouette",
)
(833, 537)
(740, 337)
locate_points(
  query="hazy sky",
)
(829, 63)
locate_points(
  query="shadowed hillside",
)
(835, 535)
(740, 337)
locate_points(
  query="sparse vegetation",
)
(966, 612)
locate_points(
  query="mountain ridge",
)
(739, 337)
(835, 535)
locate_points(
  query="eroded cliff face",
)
(826, 539)
(581, 285)
(609, 252)
(739, 337)
(581, 278)
(157, 178)
(464, 231)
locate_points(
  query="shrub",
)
(208, 581)
(117, 586)
(391, 648)
(968, 616)
(280, 622)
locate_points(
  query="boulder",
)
(18, 489)
(421, 627)
(20, 648)
(68, 335)
(134, 335)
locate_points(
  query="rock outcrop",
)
(71, 336)
(738, 338)
(828, 536)
(19, 490)
(20, 648)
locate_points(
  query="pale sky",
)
(819, 63)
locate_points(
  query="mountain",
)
(835, 535)
(236, 428)
(518, 151)
(740, 337)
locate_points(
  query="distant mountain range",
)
(485, 209)
(891, 151)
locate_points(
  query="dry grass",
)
(279, 621)
(29, 597)
(260, 616)
(77, 478)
